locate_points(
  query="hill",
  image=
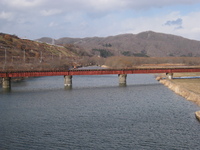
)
(16, 53)
(145, 44)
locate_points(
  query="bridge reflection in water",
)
(122, 73)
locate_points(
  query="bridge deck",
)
(97, 72)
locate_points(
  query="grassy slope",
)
(17, 49)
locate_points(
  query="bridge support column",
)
(6, 82)
(122, 79)
(169, 76)
(68, 81)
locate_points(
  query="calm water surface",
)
(97, 114)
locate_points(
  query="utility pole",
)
(40, 56)
(60, 55)
(51, 53)
(5, 56)
(53, 42)
(24, 56)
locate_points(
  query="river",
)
(39, 113)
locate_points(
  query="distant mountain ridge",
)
(147, 43)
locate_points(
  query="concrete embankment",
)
(197, 114)
(189, 95)
(184, 92)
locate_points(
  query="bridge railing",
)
(96, 72)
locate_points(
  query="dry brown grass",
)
(187, 88)
(189, 84)
(188, 74)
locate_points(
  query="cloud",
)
(113, 5)
(113, 24)
(22, 3)
(176, 22)
(6, 15)
(53, 24)
(141, 4)
(81, 18)
(51, 12)
(119, 5)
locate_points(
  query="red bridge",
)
(122, 73)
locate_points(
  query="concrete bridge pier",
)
(122, 79)
(6, 83)
(169, 76)
(68, 81)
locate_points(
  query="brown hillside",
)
(143, 44)
(16, 53)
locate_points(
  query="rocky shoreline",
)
(186, 93)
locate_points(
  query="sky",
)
(33, 19)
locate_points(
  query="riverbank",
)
(187, 88)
